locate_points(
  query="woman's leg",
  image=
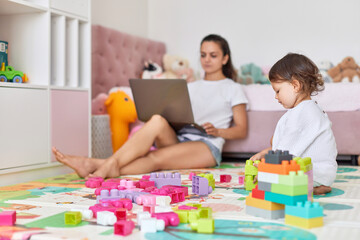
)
(178, 156)
(157, 129)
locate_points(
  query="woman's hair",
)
(228, 69)
(299, 67)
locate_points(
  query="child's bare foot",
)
(109, 169)
(83, 166)
(321, 190)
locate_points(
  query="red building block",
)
(120, 214)
(256, 193)
(123, 227)
(225, 178)
(7, 218)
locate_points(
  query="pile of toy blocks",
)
(284, 189)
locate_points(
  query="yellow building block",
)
(263, 204)
(304, 222)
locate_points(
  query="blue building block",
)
(277, 157)
(285, 199)
(305, 210)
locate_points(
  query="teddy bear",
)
(346, 71)
(177, 67)
(324, 67)
(251, 73)
(151, 70)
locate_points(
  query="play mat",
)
(40, 207)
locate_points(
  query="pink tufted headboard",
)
(117, 57)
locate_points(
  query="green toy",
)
(8, 74)
(251, 73)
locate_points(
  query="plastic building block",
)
(111, 206)
(118, 194)
(249, 182)
(294, 178)
(284, 199)
(162, 179)
(263, 204)
(305, 163)
(124, 227)
(256, 193)
(188, 216)
(284, 168)
(177, 188)
(170, 218)
(146, 199)
(276, 157)
(185, 207)
(152, 225)
(86, 214)
(264, 186)
(200, 186)
(163, 200)
(145, 184)
(209, 177)
(203, 225)
(268, 177)
(8, 218)
(161, 209)
(258, 212)
(72, 218)
(175, 195)
(120, 214)
(99, 189)
(142, 215)
(106, 218)
(250, 169)
(149, 208)
(197, 205)
(241, 179)
(304, 222)
(305, 210)
(145, 177)
(183, 215)
(128, 184)
(94, 182)
(225, 178)
(191, 174)
(289, 190)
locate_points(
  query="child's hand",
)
(256, 177)
(210, 129)
(257, 156)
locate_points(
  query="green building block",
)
(289, 190)
(305, 163)
(250, 169)
(210, 178)
(183, 215)
(197, 205)
(203, 225)
(294, 179)
(249, 182)
(72, 218)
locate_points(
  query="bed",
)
(118, 56)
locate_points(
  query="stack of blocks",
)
(280, 183)
(250, 172)
(306, 215)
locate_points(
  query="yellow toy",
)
(122, 112)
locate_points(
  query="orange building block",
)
(263, 204)
(284, 168)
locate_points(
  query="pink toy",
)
(175, 195)
(111, 206)
(185, 190)
(124, 227)
(225, 178)
(149, 208)
(191, 174)
(94, 182)
(170, 218)
(146, 199)
(241, 179)
(122, 112)
(145, 184)
(162, 179)
(120, 214)
(98, 104)
(7, 218)
(128, 184)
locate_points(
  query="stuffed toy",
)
(324, 67)
(122, 112)
(251, 73)
(98, 104)
(177, 67)
(346, 71)
(151, 70)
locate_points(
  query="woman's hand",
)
(211, 130)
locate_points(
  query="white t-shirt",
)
(212, 101)
(305, 131)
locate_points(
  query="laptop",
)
(168, 98)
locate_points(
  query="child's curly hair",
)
(299, 67)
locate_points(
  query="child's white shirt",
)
(212, 101)
(305, 131)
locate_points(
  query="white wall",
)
(259, 31)
(128, 16)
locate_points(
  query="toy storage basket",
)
(101, 136)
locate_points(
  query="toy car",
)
(8, 74)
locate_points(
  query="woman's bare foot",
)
(83, 166)
(321, 190)
(109, 169)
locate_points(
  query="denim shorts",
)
(214, 150)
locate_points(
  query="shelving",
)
(49, 40)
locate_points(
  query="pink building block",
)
(7, 218)
(170, 218)
(175, 195)
(145, 177)
(162, 179)
(241, 179)
(94, 182)
(145, 184)
(124, 227)
(111, 206)
(149, 208)
(183, 189)
(225, 178)
(128, 184)
(191, 174)
(146, 199)
(120, 214)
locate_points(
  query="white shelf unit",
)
(50, 41)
